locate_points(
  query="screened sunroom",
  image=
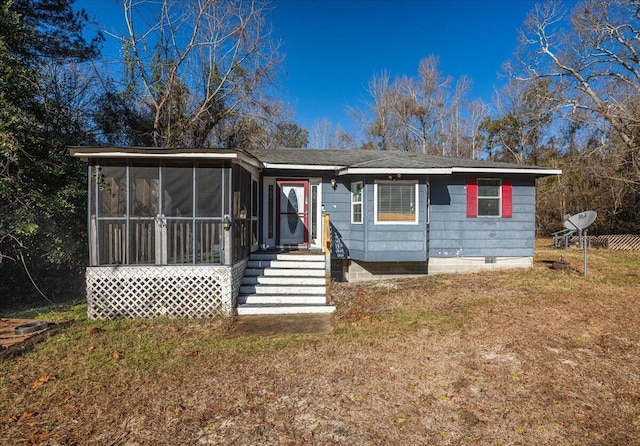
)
(169, 230)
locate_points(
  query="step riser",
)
(284, 264)
(289, 257)
(275, 290)
(284, 281)
(245, 311)
(281, 299)
(275, 272)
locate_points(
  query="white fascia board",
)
(502, 170)
(233, 157)
(84, 156)
(299, 166)
(396, 171)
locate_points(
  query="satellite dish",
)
(580, 221)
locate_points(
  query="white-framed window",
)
(396, 202)
(356, 202)
(489, 197)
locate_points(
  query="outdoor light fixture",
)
(226, 222)
(333, 183)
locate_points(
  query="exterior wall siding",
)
(337, 203)
(443, 231)
(369, 241)
(395, 242)
(453, 234)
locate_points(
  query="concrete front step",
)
(282, 289)
(285, 264)
(288, 257)
(279, 299)
(247, 309)
(284, 272)
(283, 280)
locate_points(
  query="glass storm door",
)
(292, 213)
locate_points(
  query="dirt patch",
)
(282, 324)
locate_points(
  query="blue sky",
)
(334, 47)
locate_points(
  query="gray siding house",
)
(193, 233)
(394, 213)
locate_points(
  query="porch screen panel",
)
(241, 193)
(112, 191)
(208, 238)
(179, 240)
(109, 227)
(177, 191)
(111, 238)
(177, 203)
(241, 213)
(209, 212)
(144, 186)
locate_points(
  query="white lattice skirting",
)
(161, 291)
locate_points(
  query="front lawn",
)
(529, 357)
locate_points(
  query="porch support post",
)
(227, 235)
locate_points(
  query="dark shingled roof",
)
(373, 159)
(342, 161)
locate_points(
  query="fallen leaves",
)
(25, 416)
(42, 381)
(39, 438)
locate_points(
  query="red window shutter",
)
(472, 197)
(507, 195)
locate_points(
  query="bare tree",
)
(196, 63)
(478, 112)
(418, 114)
(324, 135)
(381, 125)
(595, 61)
(524, 116)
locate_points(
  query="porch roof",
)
(86, 153)
(357, 161)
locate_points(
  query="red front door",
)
(292, 216)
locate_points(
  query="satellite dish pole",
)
(584, 249)
(581, 222)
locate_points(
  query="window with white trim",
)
(489, 197)
(356, 202)
(396, 202)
